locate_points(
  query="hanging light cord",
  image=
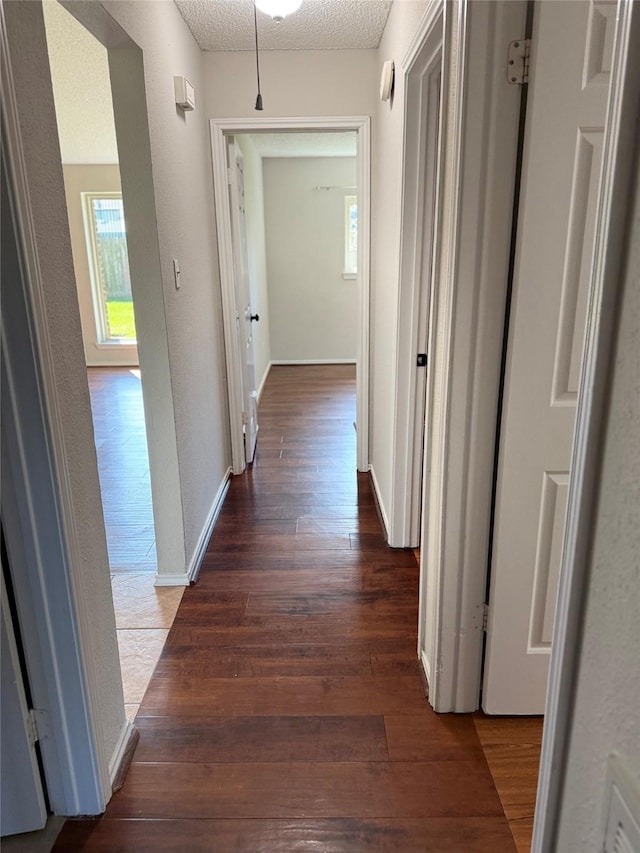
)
(255, 28)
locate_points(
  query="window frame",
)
(350, 259)
(103, 337)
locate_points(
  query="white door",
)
(244, 316)
(22, 806)
(570, 59)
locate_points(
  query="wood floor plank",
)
(215, 657)
(512, 747)
(339, 835)
(260, 739)
(308, 789)
(242, 543)
(306, 580)
(342, 695)
(430, 736)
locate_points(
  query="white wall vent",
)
(622, 810)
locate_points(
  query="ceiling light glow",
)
(278, 9)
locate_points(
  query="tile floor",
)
(144, 614)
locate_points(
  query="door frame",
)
(479, 128)
(220, 128)
(421, 61)
(464, 374)
(38, 512)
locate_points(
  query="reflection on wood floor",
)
(123, 466)
(286, 712)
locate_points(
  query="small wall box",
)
(185, 93)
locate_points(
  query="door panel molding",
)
(220, 128)
(612, 221)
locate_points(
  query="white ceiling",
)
(81, 89)
(317, 25)
(305, 144)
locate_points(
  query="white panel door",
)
(570, 61)
(22, 806)
(244, 316)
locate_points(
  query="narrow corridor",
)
(286, 712)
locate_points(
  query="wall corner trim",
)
(207, 530)
(123, 755)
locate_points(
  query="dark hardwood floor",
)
(123, 466)
(286, 712)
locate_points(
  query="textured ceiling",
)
(81, 89)
(317, 25)
(304, 144)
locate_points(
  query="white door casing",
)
(480, 118)
(570, 61)
(422, 68)
(23, 807)
(244, 316)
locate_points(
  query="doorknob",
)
(255, 317)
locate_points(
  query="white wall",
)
(313, 310)
(403, 21)
(254, 210)
(183, 187)
(80, 76)
(606, 715)
(294, 83)
(78, 180)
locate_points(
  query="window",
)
(350, 236)
(109, 263)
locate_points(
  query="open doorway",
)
(294, 218)
(310, 313)
(96, 213)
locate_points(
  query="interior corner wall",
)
(404, 19)
(606, 711)
(183, 187)
(313, 310)
(79, 179)
(254, 210)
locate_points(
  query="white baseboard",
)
(424, 660)
(264, 379)
(119, 752)
(383, 513)
(314, 361)
(181, 579)
(207, 530)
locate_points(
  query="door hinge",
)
(485, 617)
(518, 61)
(421, 360)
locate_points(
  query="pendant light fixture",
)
(278, 9)
(255, 29)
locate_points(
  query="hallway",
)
(286, 712)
